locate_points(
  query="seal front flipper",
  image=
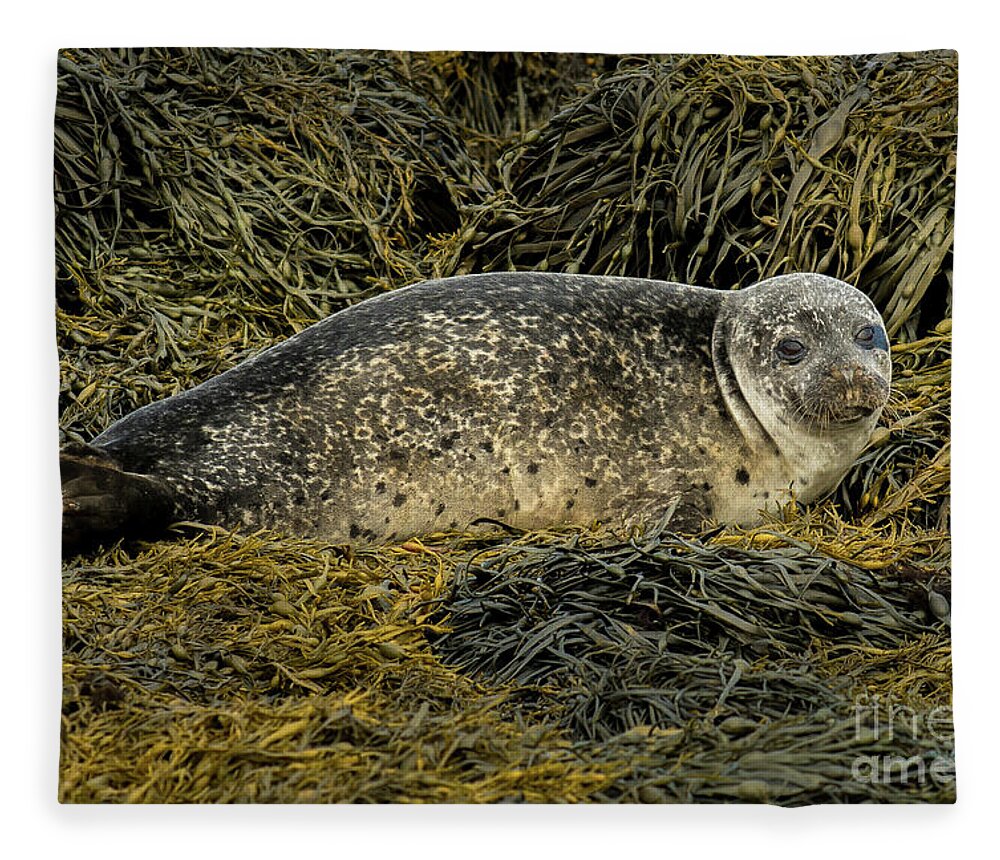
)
(102, 503)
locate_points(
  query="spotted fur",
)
(532, 398)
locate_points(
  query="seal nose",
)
(853, 374)
(850, 376)
(855, 387)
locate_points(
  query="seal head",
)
(803, 362)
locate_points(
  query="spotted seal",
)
(536, 399)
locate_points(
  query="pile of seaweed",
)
(722, 171)
(212, 202)
(209, 203)
(497, 98)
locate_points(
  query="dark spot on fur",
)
(517, 505)
(706, 486)
(399, 500)
(355, 531)
(569, 504)
(397, 454)
(701, 450)
(448, 442)
(501, 512)
(324, 496)
(742, 476)
(298, 497)
(590, 482)
(380, 487)
(487, 446)
(767, 494)
(532, 468)
(440, 509)
(506, 470)
(702, 409)
(554, 377)
(453, 524)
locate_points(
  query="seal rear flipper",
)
(102, 503)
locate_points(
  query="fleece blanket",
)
(213, 203)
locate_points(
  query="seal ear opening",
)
(102, 503)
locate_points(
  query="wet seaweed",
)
(212, 202)
(499, 97)
(654, 622)
(723, 170)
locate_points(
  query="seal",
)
(535, 399)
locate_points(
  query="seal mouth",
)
(844, 415)
(826, 415)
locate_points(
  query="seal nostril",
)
(851, 374)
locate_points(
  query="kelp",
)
(722, 171)
(212, 202)
(633, 617)
(259, 668)
(498, 97)
(233, 668)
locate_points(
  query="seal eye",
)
(870, 337)
(790, 350)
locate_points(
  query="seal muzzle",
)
(844, 395)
